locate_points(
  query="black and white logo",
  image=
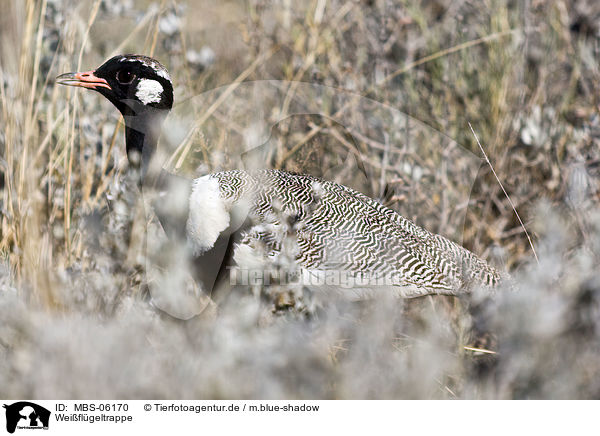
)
(26, 415)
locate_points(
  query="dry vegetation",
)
(375, 94)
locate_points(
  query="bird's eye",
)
(125, 77)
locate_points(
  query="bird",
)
(237, 216)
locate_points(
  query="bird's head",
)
(135, 84)
(141, 89)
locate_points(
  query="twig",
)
(450, 50)
(505, 193)
(479, 350)
(141, 25)
(183, 149)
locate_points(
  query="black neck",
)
(141, 134)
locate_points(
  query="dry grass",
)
(375, 94)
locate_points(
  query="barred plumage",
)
(337, 228)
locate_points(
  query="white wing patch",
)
(209, 214)
(149, 91)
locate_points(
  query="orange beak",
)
(86, 79)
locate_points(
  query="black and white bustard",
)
(335, 228)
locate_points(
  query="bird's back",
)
(341, 230)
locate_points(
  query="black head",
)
(140, 87)
(135, 84)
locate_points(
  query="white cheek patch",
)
(208, 214)
(149, 91)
